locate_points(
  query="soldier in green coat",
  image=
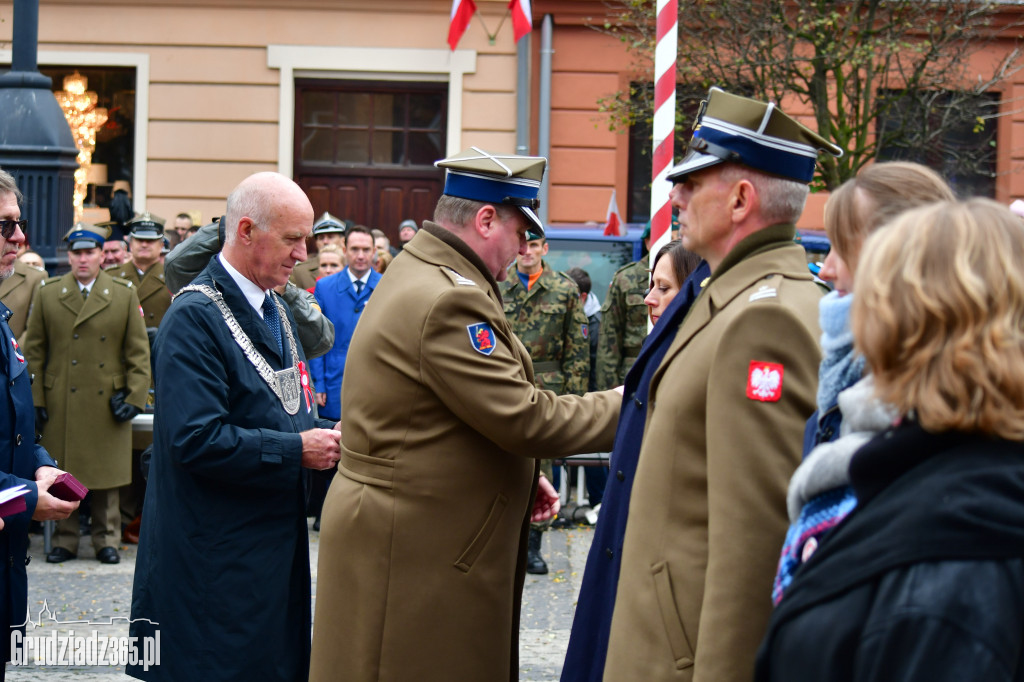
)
(623, 324)
(86, 344)
(544, 310)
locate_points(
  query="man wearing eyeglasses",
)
(22, 461)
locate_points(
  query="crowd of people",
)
(808, 479)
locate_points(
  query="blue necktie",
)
(273, 321)
(359, 287)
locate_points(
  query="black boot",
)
(534, 561)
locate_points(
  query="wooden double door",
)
(365, 151)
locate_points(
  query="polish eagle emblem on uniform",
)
(764, 382)
(481, 337)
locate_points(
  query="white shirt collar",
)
(365, 279)
(250, 290)
(88, 285)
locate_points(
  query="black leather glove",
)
(42, 416)
(123, 412)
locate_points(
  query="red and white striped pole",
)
(665, 54)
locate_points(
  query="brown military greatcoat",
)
(423, 542)
(151, 289)
(707, 515)
(81, 352)
(17, 292)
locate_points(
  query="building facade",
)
(355, 101)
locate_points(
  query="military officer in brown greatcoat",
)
(17, 293)
(87, 346)
(726, 407)
(423, 534)
(145, 270)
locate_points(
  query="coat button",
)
(810, 547)
(75, 336)
(74, 362)
(101, 364)
(17, 439)
(619, 475)
(103, 338)
(101, 391)
(609, 552)
(73, 389)
(638, 402)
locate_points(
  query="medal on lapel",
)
(307, 390)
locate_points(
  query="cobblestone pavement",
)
(85, 590)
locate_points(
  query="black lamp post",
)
(36, 145)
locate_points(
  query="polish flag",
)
(462, 13)
(613, 226)
(522, 17)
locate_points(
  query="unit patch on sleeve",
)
(481, 337)
(764, 382)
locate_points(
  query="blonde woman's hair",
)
(879, 193)
(382, 261)
(939, 316)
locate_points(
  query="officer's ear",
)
(743, 201)
(485, 221)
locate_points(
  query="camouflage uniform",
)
(549, 320)
(623, 324)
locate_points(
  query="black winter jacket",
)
(924, 580)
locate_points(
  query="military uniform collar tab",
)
(770, 237)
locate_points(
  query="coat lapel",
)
(71, 294)
(99, 298)
(11, 353)
(11, 283)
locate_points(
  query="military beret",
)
(752, 133)
(86, 236)
(497, 179)
(328, 224)
(146, 226)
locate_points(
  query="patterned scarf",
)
(840, 367)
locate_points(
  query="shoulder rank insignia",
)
(481, 337)
(764, 382)
(459, 279)
(763, 292)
